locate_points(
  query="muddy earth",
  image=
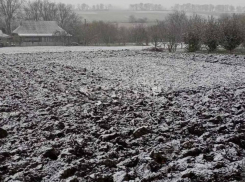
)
(90, 122)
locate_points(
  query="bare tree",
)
(140, 35)
(64, 14)
(2, 26)
(242, 22)
(155, 35)
(33, 10)
(49, 11)
(9, 10)
(73, 26)
(123, 35)
(175, 25)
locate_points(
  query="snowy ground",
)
(13, 50)
(159, 71)
(114, 116)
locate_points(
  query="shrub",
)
(193, 34)
(193, 42)
(211, 34)
(231, 32)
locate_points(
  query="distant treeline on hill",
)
(195, 31)
(208, 8)
(146, 7)
(96, 7)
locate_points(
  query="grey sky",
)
(167, 3)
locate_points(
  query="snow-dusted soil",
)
(113, 116)
(14, 50)
(158, 71)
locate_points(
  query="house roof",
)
(2, 35)
(38, 28)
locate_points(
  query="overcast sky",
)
(166, 3)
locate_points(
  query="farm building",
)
(40, 33)
(3, 38)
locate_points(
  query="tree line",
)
(103, 33)
(188, 7)
(146, 7)
(96, 7)
(195, 31)
(14, 11)
(177, 29)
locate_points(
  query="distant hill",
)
(122, 16)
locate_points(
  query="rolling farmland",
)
(113, 115)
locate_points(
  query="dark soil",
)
(57, 123)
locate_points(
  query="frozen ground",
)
(13, 50)
(158, 71)
(114, 116)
